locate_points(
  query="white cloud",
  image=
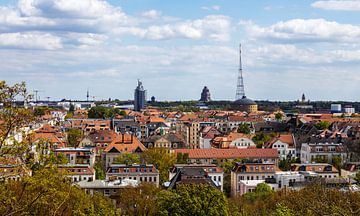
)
(30, 40)
(305, 30)
(213, 27)
(211, 8)
(152, 14)
(341, 5)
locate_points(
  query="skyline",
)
(288, 48)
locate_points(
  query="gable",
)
(113, 150)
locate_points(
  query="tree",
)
(261, 138)
(99, 171)
(279, 116)
(74, 136)
(337, 162)
(244, 128)
(162, 159)
(193, 199)
(127, 158)
(357, 177)
(322, 125)
(284, 165)
(40, 111)
(141, 200)
(48, 192)
(12, 118)
(182, 158)
(71, 108)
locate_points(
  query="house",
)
(78, 172)
(122, 143)
(126, 126)
(234, 140)
(11, 169)
(107, 188)
(169, 141)
(310, 170)
(98, 139)
(206, 135)
(213, 156)
(244, 174)
(213, 171)
(77, 155)
(322, 152)
(191, 175)
(139, 172)
(285, 145)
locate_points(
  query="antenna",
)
(87, 95)
(240, 92)
(48, 98)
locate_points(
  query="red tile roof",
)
(229, 153)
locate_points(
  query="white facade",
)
(349, 110)
(311, 151)
(242, 143)
(284, 150)
(335, 108)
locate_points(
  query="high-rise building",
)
(205, 95)
(139, 97)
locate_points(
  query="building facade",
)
(139, 97)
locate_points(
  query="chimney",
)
(122, 137)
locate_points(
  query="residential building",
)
(207, 134)
(123, 143)
(213, 171)
(285, 145)
(139, 172)
(234, 140)
(77, 155)
(78, 172)
(191, 175)
(243, 173)
(214, 156)
(169, 141)
(322, 170)
(322, 152)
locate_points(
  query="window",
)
(154, 179)
(107, 192)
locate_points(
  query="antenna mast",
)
(240, 92)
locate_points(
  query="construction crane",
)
(36, 94)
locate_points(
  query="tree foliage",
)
(48, 192)
(162, 159)
(127, 158)
(105, 112)
(193, 199)
(74, 136)
(322, 125)
(244, 128)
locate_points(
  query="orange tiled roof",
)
(129, 144)
(229, 153)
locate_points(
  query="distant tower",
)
(240, 92)
(87, 95)
(153, 100)
(139, 97)
(303, 98)
(205, 95)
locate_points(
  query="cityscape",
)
(134, 108)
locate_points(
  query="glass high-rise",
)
(139, 97)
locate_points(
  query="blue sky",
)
(64, 47)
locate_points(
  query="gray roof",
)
(244, 101)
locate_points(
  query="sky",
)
(64, 47)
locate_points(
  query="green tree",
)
(282, 210)
(182, 158)
(71, 108)
(337, 162)
(322, 125)
(127, 158)
(40, 111)
(279, 116)
(162, 159)
(261, 138)
(193, 199)
(74, 136)
(48, 192)
(284, 165)
(357, 177)
(141, 200)
(99, 171)
(244, 128)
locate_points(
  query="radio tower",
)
(87, 95)
(240, 92)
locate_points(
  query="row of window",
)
(141, 178)
(254, 177)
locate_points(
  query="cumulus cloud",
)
(30, 40)
(211, 8)
(305, 30)
(341, 5)
(152, 14)
(213, 27)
